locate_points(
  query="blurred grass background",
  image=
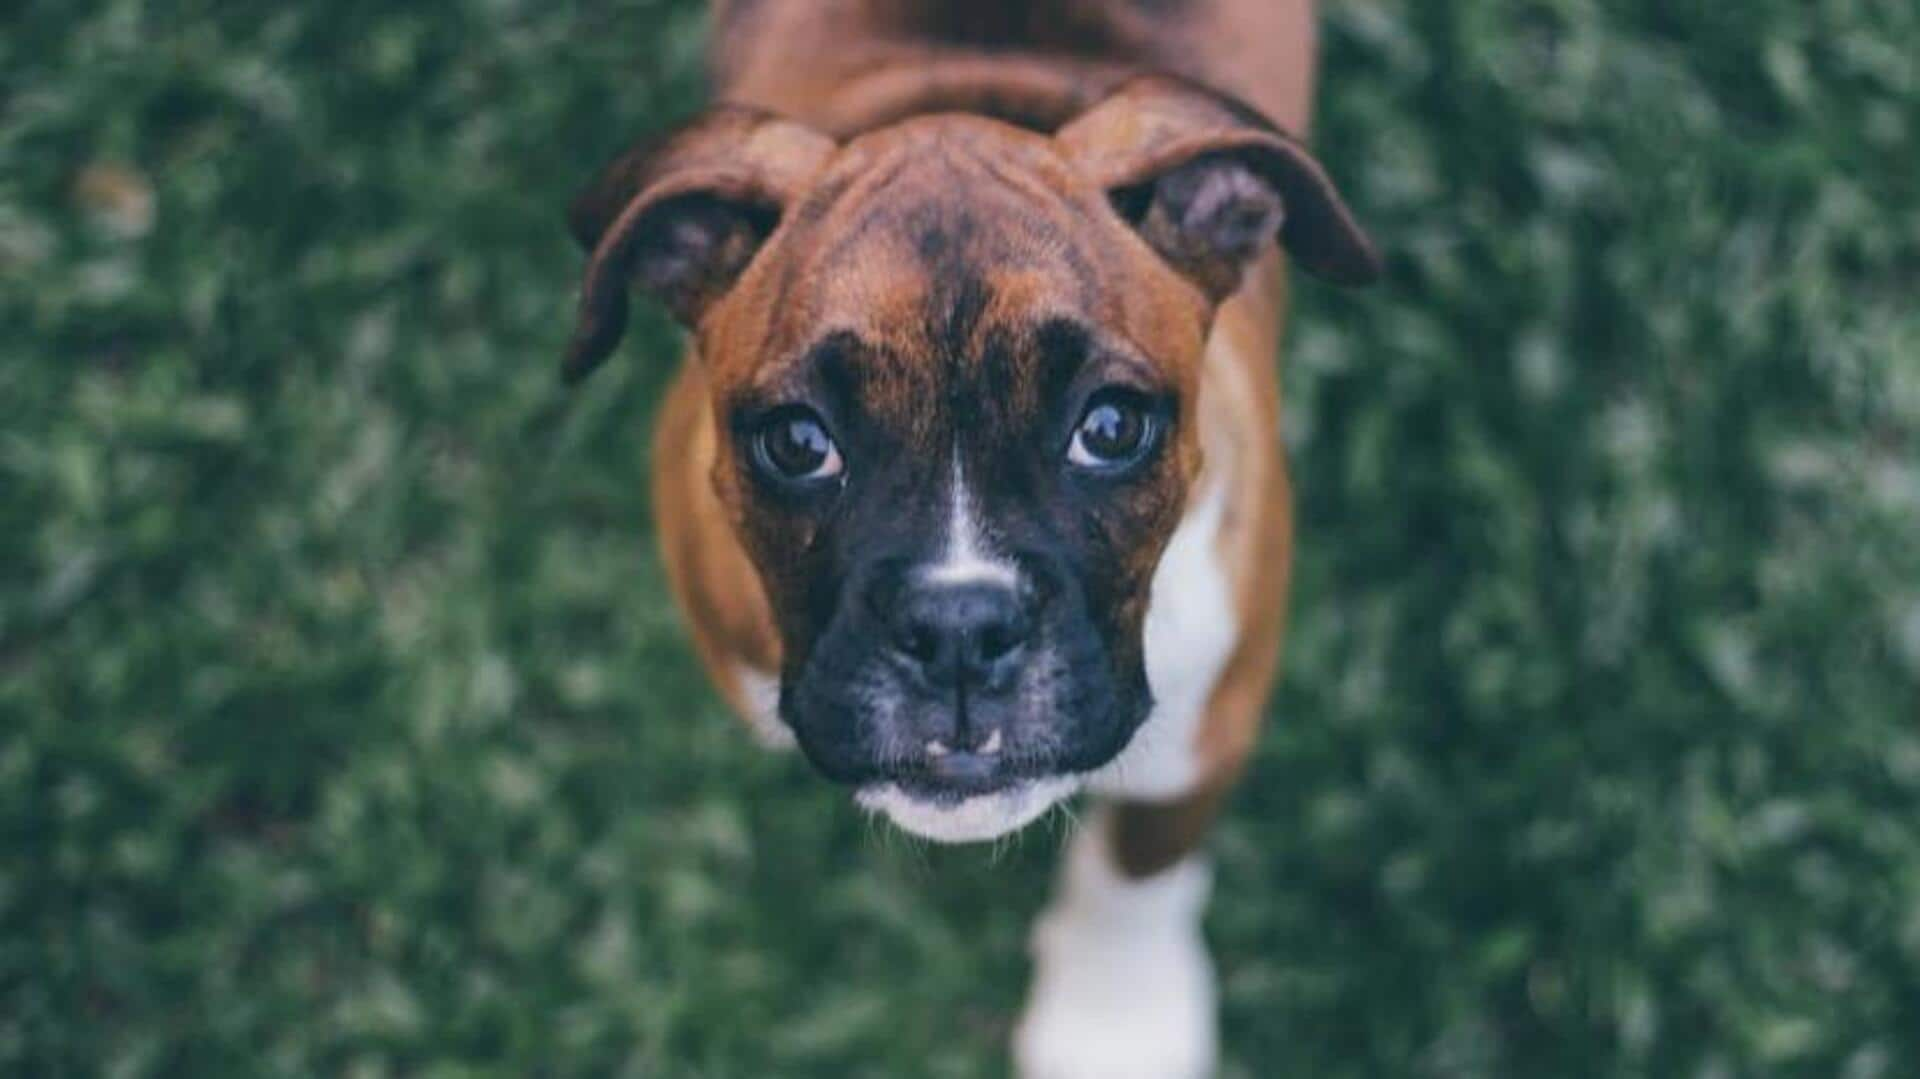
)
(345, 727)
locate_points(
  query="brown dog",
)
(972, 485)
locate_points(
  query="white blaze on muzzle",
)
(966, 560)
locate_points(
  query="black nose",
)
(960, 633)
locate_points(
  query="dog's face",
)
(954, 364)
(955, 398)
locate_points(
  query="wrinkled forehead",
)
(953, 254)
(905, 211)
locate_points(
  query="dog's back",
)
(847, 64)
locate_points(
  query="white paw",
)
(1123, 987)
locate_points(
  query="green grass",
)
(345, 727)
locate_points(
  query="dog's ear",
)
(683, 218)
(1208, 182)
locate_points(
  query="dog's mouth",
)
(941, 774)
(960, 765)
(946, 813)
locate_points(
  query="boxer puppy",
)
(971, 484)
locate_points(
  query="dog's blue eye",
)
(794, 446)
(1116, 430)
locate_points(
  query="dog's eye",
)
(793, 445)
(1117, 430)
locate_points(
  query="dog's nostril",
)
(919, 641)
(995, 641)
(958, 631)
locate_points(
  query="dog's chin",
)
(967, 818)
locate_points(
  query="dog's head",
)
(953, 364)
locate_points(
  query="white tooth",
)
(937, 748)
(992, 744)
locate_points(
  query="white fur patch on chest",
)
(1123, 987)
(1191, 630)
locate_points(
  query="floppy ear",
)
(1208, 182)
(683, 218)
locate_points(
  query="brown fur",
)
(861, 70)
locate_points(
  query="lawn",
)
(346, 728)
